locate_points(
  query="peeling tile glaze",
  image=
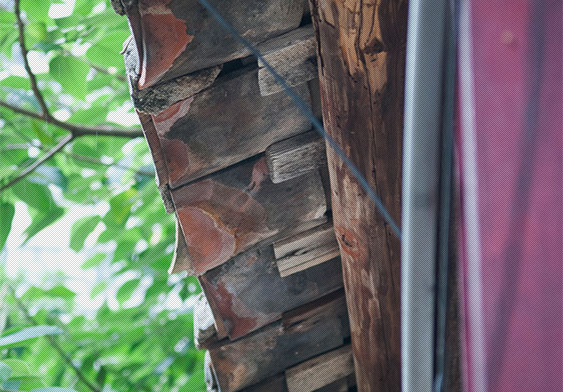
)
(164, 38)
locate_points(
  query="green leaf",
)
(19, 368)
(36, 10)
(34, 195)
(28, 333)
(106, 52)
(71, 73)
(126, 290)
(120, 207)
(42, 220)
(98, 288)
(5, 371)
(7, 211)
(43, 137)
(28, 383)
(94, 260)
(53, 389)
(80, 230)
(58, 291)
(14, 81)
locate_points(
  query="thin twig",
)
(24, 52)
(79, 157)
(28, 170)
(75, 129)
(55, 344)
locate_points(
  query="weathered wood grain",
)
(296, 155)
(305, 250)
(305, 241)
(228, 212)
(204, 323)
(361, 48)
(225, 124)
(320, 371)
(271, 384)
(180, 37)
(303, 334)
(292, 55)
(247, 292)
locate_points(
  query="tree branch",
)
(76, 129)
(24, 51)
(28, 170)
(55, 345)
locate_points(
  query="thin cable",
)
(306, 111)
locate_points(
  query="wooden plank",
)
(361, 49)
(295, 156)
(320, 371)
(228, 212)
(204, 323)
(272, 384)
(247, 292)
(180, 37)
(306, 333)
(225, 124)
(292, 55)
(305, 241)
(294, 264)
(305, 250)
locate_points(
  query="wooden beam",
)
(295, 156)
(302, 333)
(305, 250)
(361, 49)
(247, 292)
(320, 371)
(229, 212)
(292, 55)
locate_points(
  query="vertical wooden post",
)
(361, 50)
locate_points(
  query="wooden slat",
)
(294, 264)
(305, 241)
(180, 37)
(247, 292)
(295, 156)
(292, 55)
(305, 250)
(225, 124)
(361, 71)
(304, 334)
(235, 209)
(320, 371)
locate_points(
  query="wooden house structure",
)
(300, 269)
(271, 222)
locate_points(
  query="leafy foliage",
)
(142, 344)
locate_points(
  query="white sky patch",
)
(62, 114)
(61, 10)
(33, 152)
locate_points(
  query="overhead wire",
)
(306, 111)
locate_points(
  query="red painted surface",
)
(164, 38)
(517, 82)
(180, 160)
(218, 222)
